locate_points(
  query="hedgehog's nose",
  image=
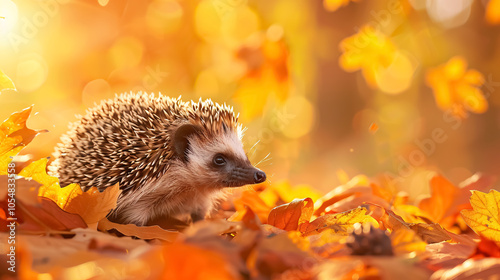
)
(259, 177)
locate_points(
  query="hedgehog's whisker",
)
(265, 159)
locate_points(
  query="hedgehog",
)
(171, 159)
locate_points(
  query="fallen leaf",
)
(91, 205)
(340, 222)
(144, 232)
(451, 198)
(406, 241)
(446, 255)
(45, 217)
(484, 219)
(430, 233)
(291, 215)
(186, 261)
(470, 270)
(252, 200)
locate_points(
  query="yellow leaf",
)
(14, 136)
(37, 171)
(5, 82)
(340, 222)
(91, 205)
(457, 89)
(484, 219)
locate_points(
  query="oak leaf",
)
(484, 219)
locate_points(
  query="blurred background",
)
(327, 89)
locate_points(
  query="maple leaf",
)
(447, 199)
(457, 89)
(5, 82)
(484, 219)
(91, 205)
(14, 136)
(375, 54)
(291, 215)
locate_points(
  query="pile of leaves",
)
(362, 229)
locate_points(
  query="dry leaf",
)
(340, 222)
(451, 198)
(484, 219)
(470, 270)
(145, 232)
(431, 233)
(185, 261)
(45, 217)
(291, 215)
(91, 205)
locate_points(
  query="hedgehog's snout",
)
(259, 176)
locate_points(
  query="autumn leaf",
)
(376, 53)
(457, 89)
(484, 219)
(284, 192)
(5, 82)
(144, 232)
(450, 198)
(14, 136)
(291, 215)
(252, 200)
(340, 222)
(91, 205)
(470, 270)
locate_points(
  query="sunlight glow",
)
(8, 16)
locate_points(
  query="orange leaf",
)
(484, 219)
(91, 205)
(446, 199)
(46, 216)
(144, 232)
(291, 215)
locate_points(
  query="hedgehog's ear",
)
(181, 141)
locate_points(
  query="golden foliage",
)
(457, 89)
(484, 219)
(14, 136)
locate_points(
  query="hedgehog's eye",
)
(219, 160)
